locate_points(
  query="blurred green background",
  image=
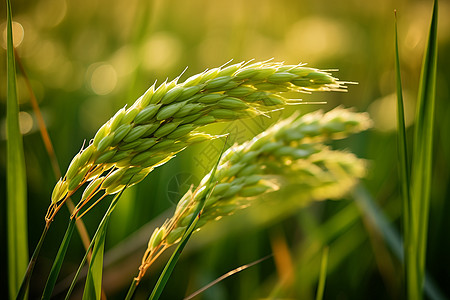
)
(88, 58)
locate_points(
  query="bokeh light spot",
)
(161, 52)
(317, 38)
(25, 122)
(18, 34)
(384, 112)
(103, 79)
(50, 13)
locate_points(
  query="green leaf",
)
(422, 165)
(75, 278)
(16, 176)
(96, 268)
(26, 280)
(93, 286)
(57, 263)
(323, 274)
(404, 168)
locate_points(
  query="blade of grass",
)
(57, 263)
(226, 275)
(323, 274)
(83, 261)
(26, 280)
(16, 176)
(164, 277)
(404, 168)
(51, 281)
(101, 227)
(131, 289)
(93, 285)
(422, 162)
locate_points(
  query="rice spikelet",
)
(290, 153)
(165, 120)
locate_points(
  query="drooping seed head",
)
(172, 113)
(290, 152)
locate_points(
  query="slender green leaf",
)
(164, 277)
(16, 176)
(26, 280)
(93, 286)
(409, 265)
(83, 261)
(159, 287)
(422, 163)
(57, 263)
(97, 253)
(323, 274)
(226, 275)
(404, 168)
(132, 288)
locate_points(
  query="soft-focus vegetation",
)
(87, 59)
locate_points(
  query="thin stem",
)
(226, 275)
(56, 267)
(83, 261)
(146, 263)
(90, 207)
(323, 274)
(105, 218)
(81, 204)
(26, 281)
(404, 168)
(132, 288)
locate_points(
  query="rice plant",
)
(260, 223)
(289, 152)
(164, 121)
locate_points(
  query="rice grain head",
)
(291, 153)
(165, 120)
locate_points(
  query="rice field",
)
(344, 199)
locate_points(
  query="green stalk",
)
(422, 162)
(132, 288)
(162, 281)
(404, 168)
(16, 176)
(323, 274)
(93, 285)
(83, 261)
(96, 254)
(26, 280)
(56, 267)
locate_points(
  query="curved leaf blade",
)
(56, 267)
(16, 176)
